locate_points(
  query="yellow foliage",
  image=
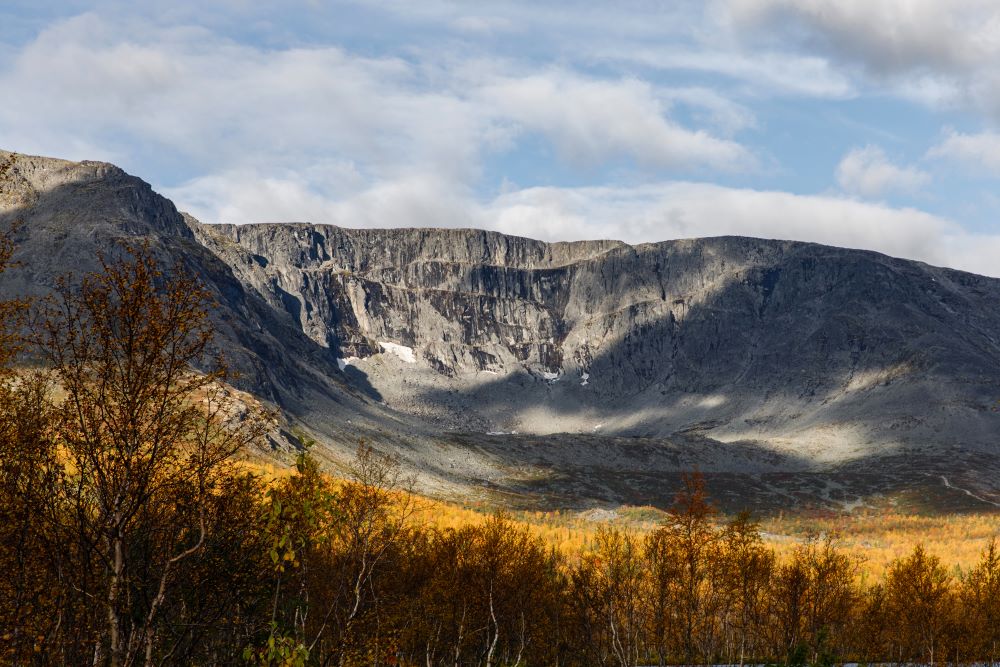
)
(877, 537)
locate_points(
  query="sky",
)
(869, 124)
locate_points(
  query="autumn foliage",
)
(128, 536)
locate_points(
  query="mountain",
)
(568, 374)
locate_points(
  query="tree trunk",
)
(114, 589)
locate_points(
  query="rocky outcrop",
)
(485, 358)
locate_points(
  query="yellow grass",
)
(957, 539)
(875, 537)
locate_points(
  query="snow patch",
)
(550, 376)
(344, 363)
(403, 352)
(584, 379)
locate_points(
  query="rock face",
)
(595, 370)
(734, 337)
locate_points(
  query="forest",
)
(131, 535)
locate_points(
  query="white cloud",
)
(244, 196)
(939, 53)
(869, 173)
(885, 37)
(591, 121)
(218, 103)
(975, 151)
(764, 72)
(935, 52)
(683, 210)
(222, 105)
(681, 35)
(686, 209)
(712, 109)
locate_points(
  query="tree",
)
(146, 437)
(371, 514)
(663, 561)
(693, 540)
(614, 571)
(504, 588)
(832, 595)
(747, 569)
(333, 548)
(28, 468)
(919, 596)
(298, 519)
(981, 599)
(873, 627)
(788, 602)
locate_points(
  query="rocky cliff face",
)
(615, 365)
(734, 336)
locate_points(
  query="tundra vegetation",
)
(130, 536)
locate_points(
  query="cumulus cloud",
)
(976, 151)
(590, 121)
(885, 37)
(216, 104)
(243, 196)
(869, 173)
(934, 52)
(688, 209)
(223, 104)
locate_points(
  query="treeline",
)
(129, 537)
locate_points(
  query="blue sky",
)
(868, 124)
